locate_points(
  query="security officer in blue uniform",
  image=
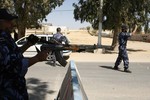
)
(122, 55)
(13, 65)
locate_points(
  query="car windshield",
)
(42, 38)
(45, 38)
(22, 41)
(50, 38)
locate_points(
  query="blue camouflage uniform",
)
(13, 67)
(123, 37)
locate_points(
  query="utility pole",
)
(100, 23)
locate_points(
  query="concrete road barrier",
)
(71, 88)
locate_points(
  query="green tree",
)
(118, 12)
(30, 12)
(147, 15)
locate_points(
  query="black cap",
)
(124, 27)
(6, 16)
(58, 29)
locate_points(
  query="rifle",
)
(55, 48)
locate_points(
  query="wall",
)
(140, 37)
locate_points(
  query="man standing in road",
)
(122, 55)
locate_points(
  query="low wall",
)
(136, 37)
(71, 88)
(140, 37)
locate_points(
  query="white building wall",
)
(52, 29)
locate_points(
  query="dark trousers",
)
(122, 56)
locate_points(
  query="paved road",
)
(44, 81)
(99, 81)
(102, 83)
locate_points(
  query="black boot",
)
(116, 68)
(127, 70)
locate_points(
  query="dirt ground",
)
(137, 51)
(83, 37)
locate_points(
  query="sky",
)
(63, 16)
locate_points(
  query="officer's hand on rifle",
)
(32, 39)
(41, 56)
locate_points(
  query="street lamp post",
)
(100, 23)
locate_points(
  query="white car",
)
(31, 51)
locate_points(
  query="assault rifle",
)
(55, 47)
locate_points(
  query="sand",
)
(137, 51)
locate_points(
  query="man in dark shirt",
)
(13, 65)
(122, 55)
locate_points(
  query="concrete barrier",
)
(71, 88)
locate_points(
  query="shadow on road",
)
(110, 67)
(37, 89)
(109, 50)
(53, 64)
(136, 50)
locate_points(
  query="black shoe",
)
(116, 68)
(127, 70)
